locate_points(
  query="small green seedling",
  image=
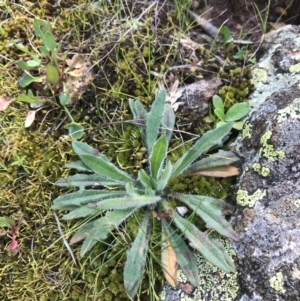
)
(45, 72)
(234, 114)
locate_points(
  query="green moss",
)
(244, 199)
(267, 150)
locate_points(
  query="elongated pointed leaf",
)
(79, 165)
(168, 260)
(139, 115)
(84, 180)
(99, 163)
(165, 177)
(168, 121)
(102, 227)
(157, 156)
(185, 257)
(136, 258)
(100, 166)
(82, 211)
(211, 250)
(210, 210)
(81, 148)
(206, 142)
(154, 118)
(128, 202)
(83, 197)
(222, 158)
(132, 190)
(144, 179)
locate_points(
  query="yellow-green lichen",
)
(261, 170)
(276, 282)
(295, 68)
(247, 130)
(267, 150)
(290, 112)
(244, 199)
(259, 75)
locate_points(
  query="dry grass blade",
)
(64, 239)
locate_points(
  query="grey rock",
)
(268, 218)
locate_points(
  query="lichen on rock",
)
(268, 219)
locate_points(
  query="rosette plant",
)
(149, 194)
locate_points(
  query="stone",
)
(268, 194)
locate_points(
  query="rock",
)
(268, 195)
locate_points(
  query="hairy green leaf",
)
(165, 177)
(84, 180)
(132, 190)
(139, 115)
(144, 178)
(99, 163)
(222, 158)
(157, 156)
(103, 167)
(128, 202)
(168, 121)
(220, 114)
(237, 111)
(136, 258)
(210, 210)
(101, 228)
(83, 197)
(185, 257)
(211, 250)
(218, 103)
(206, 142)
(82, 211)
(154, 118)
(79, 165)
(81, 148)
